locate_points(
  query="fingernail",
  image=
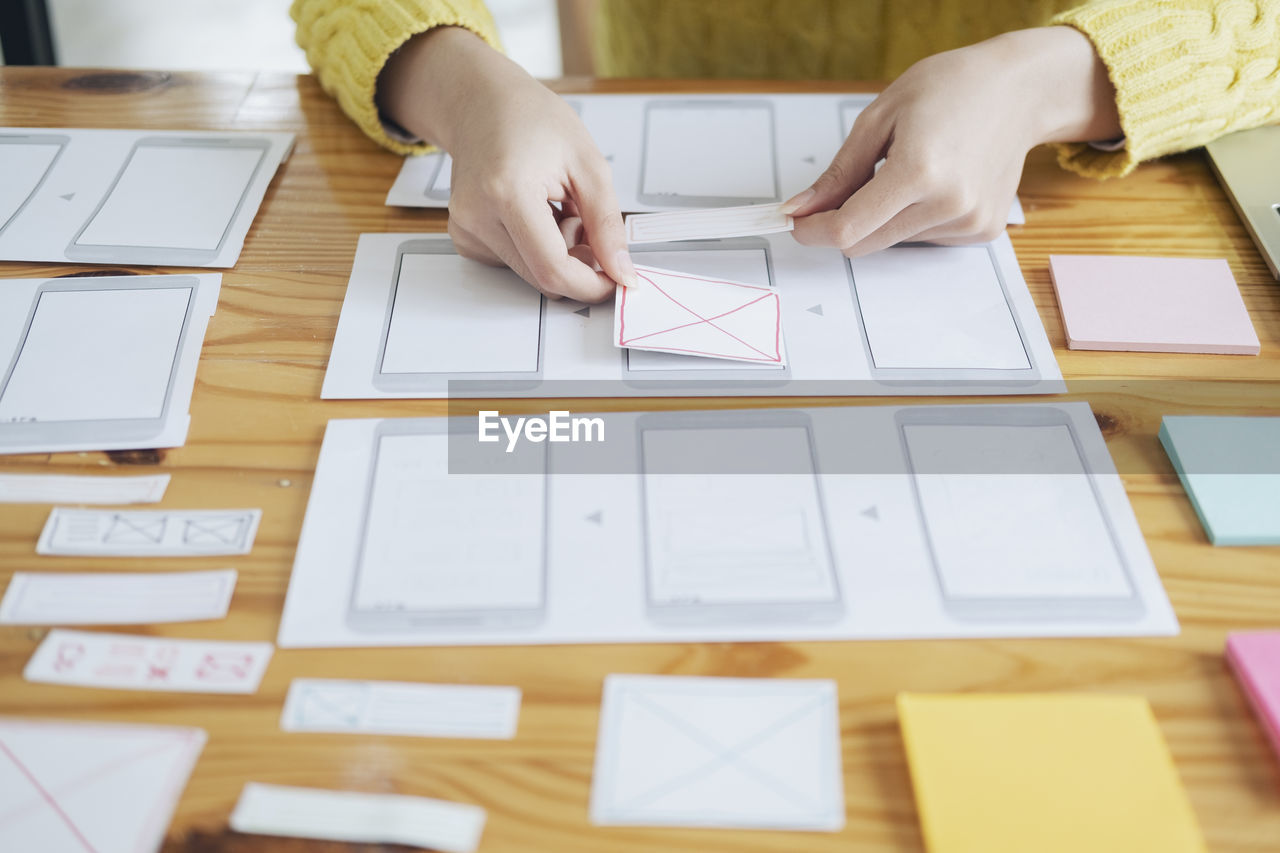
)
(798, 201)
(623, 261)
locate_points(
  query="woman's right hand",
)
(519, 153)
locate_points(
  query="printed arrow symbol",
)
(596, 517)
(810, 159)
(871, 512)
(584, 311)
(817, 309)
(608, 158)
(67, 197)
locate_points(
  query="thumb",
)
(602, 221)
(853, 165)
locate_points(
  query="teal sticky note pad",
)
(1230, 467)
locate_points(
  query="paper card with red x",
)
(687, 314)
(90, 788)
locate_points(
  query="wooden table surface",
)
(257, 422)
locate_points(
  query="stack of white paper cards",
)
(737, 753)
(100, 363)
(733, 525)
(79, 787)
(711, 224)
(673, 152)
(420, 321)
(176, 198)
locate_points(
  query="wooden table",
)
(256, 426)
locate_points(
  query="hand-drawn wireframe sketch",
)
(401, 708)
(127, 529)
(749, 753)
(149, 533)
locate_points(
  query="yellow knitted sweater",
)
(1185, 71)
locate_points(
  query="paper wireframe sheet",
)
(100, 363)
(149, 532)
(419, 321)
(102, 598)
(174, 198)
(675, 152)
(846, 523)
(75, 787)
(748, 753)
(694, 315)
(69, 489)
(399, 708)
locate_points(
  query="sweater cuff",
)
(1172, 69)
(349, 46)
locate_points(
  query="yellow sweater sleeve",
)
(349, 41)
(1185, 73)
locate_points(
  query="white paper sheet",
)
(179, 198)
(149, 532)
(734, 753)
(398, 708)
(116, 599)
(76, 787)
(126, 662)
(673, 152)
(864, 522)
(67, 489)
(71, 381)
(691, 315)
(358, 817)
(711, 224)
(420, 322)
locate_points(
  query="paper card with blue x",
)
(734, 753)
(693, 315)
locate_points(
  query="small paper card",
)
(64, 489)
(116, 599)
(1254, 656)
(149, 533)
(691, 315)
(708, 224)
(358, 817)
(749, 753)
(125, 662)
(69, 787)
(396, 708)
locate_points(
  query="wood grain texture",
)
(257, 423)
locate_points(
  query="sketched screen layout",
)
(1012, 516)
(175, 194)
(451, 318)
(951, 312)
(25, 161)
(450, 547)
(750, 538)
(744, 259)
(91, 352)
(707, 153)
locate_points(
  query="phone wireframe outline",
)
(1048, 608)
(718, 613)
(82, 431)
(61, 140)
(736, 378)
(496, 382)
(676, 200)
(101, 253)
(926, 377)
(405, 621)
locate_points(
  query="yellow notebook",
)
(1044, 773)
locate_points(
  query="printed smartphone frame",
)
(720, 613)
(98, 253)
(1038, 609)
(670, 200)
(927, 377)
(89, 431)
(61, 140)
(732, 376)
(368, 621)
(496, 382)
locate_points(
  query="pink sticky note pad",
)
(1255, 658)
(1151, 304)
